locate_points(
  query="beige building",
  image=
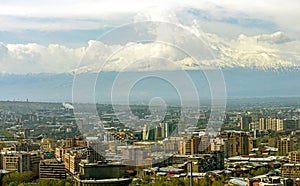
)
(193, 145)
(135, 155)
(170, 145)
(74, 157)
(16, 161)
(20, 161)
(236, 143)
(52, 169)
(59, 152)
(271, 124)
(291, 171)
(145, 132)
(254, 125)
(75, 142)
(48, 144)
(294, 157)
(185, 147)
(285, 145)
(262, 124)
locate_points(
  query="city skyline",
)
(137, 92)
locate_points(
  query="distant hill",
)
(240, 82)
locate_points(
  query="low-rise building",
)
(21, 161)
(74, 157)
(294, 157)
(75, 142)
(206, 162)
(101, 173)
(52, 169)
(290, 170)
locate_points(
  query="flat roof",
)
(104, 180)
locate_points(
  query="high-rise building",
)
(245, 121)
(236, 143)
(279, 126)
(204, 146)
(290, 125)
(185, 147)
(158, 132)
(254, 126)
(145, 132)
(285, 145)
(271, 124)
(262, 124)
(167, 131)
(72, 159)
(195, 141)
(194, 145)
(252, 143)
(163, 130)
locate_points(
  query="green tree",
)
(12, 184)
(204, 182)
(17, 178)
(260, 171)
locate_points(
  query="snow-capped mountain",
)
(267, 51)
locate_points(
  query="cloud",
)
(274, 50)
(262, 51)
(13, 23)
(277, 37)
(90, 14)
(3, 51)
(35, 58)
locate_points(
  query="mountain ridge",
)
(240, 82)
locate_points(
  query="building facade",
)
(101, 173)
(52, 169)
(285, 145)
(236, 143)
(294, 157)
(291, 171)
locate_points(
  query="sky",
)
(55, 36)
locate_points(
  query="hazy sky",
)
(52, 36)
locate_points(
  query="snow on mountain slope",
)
(267, 51)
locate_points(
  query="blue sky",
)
(72, 38)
